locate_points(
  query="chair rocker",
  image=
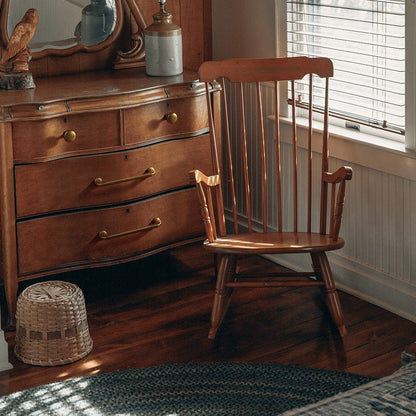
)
(285, 208)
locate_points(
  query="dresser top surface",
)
(91, 85)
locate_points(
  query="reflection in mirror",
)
(66, 23)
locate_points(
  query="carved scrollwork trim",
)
(136, 54)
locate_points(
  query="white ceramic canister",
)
(163, 45)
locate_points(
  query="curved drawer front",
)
(37, 140)
(60, 241)
(109, 178)
(158, 120)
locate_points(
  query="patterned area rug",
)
(217, 389)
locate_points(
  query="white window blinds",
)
(366, 41)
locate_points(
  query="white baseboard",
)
(361, 281)
(4, 353)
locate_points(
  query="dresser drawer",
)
(151, 121)
(34, 140)
(66, 240)
(70, 183)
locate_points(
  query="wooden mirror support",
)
(128, 52)
(134, 56)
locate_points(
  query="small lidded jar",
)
(163, 45)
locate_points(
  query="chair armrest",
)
(209, 191)
(196, 176)
(344, 173)
(341, 175)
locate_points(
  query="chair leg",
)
(323, 271)
(222, 297)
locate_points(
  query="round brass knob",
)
(69, 135)
(103, 235)
(171, 118)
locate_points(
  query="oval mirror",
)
(64, 26)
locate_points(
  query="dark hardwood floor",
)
(157, 311)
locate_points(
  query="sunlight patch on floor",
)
(92, 365)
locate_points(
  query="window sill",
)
(370, 151)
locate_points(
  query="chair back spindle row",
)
(275, 178)
(252, 182)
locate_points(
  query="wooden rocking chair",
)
(260, 234)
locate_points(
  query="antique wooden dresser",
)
(94, 164)
(94, 170)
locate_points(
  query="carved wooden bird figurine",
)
(16, 53)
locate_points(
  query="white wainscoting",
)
(378, 262)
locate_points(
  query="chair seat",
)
(273, 243)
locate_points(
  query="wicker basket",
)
(52, 327)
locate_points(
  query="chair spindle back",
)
(242, 96)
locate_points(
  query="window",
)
(366, 41)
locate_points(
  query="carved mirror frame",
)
(124, 59)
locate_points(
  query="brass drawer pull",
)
(171, 118)
(147, 173)
(156, 222)
(69, 135)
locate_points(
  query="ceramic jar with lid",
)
(163, 45)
